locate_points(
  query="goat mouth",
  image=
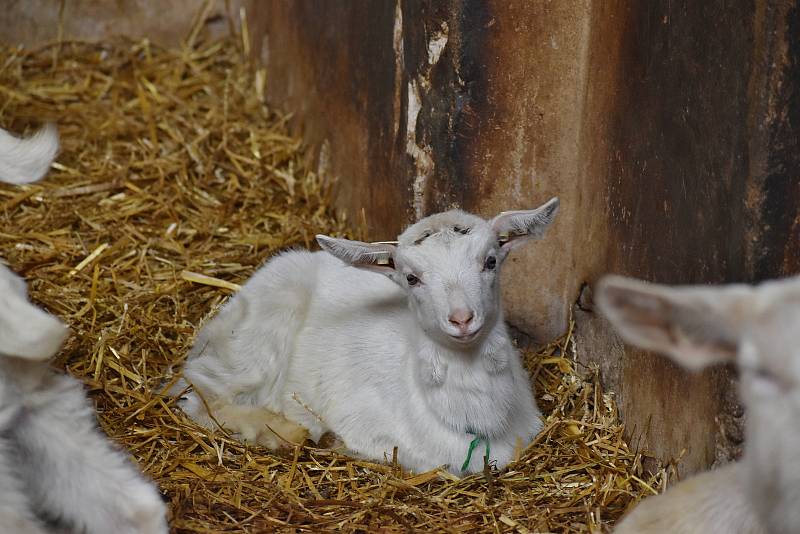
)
(465, 338)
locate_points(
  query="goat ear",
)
(694, 326)
(514, 227)
(378, 257)
(26, 331)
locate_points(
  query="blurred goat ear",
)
(515, 227)
(26, 331)
(378, 257)
(695, 326)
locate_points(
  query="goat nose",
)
(461, 318)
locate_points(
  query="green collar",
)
(472, 445)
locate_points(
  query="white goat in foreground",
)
(55, 465)
(756, 328)
(27, 160)
(383, 345)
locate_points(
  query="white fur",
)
(26, 331)
(55, 465)
(345, 344)
(755, 328)
(27, 160)
(708, 503)
(16, 514)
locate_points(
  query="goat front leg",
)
(73, 472)
(252, 424)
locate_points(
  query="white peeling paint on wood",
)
(437, 43)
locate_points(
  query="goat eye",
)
(768, 382)
(766, 375)
(412, 280)
(490, 263)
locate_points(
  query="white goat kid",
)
(383, 345)
(756, 328)
(27, 160)
(54, 462)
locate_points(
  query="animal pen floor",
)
(171, 165)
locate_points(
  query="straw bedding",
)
(175, 182)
